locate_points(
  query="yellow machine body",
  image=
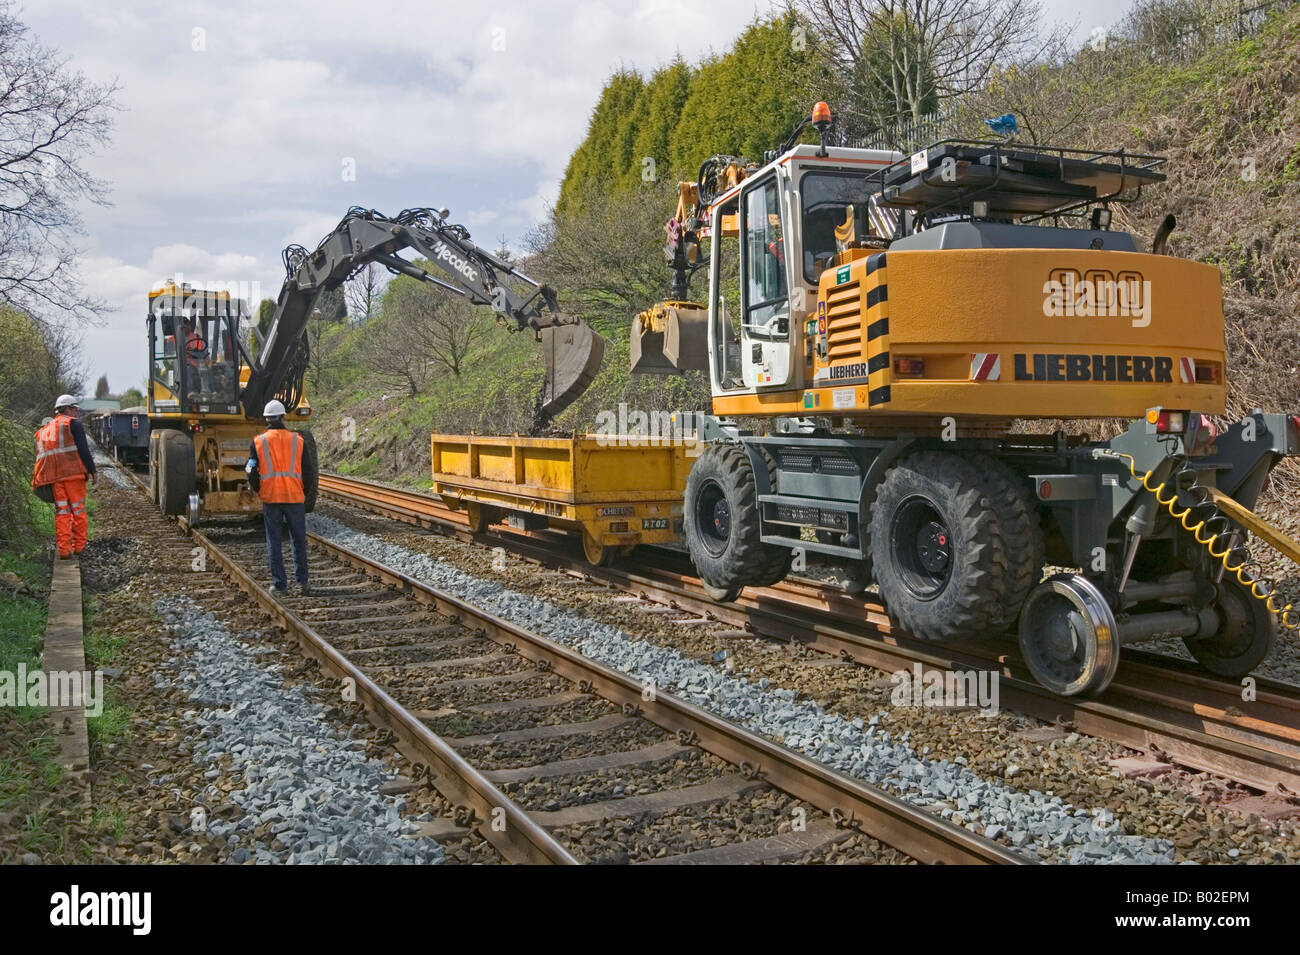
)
(618, 491)
(1012, 333)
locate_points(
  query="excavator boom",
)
(571, 348)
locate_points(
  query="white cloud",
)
(240, 147)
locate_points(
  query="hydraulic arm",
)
(572, 350)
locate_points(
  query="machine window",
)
(834, 218)
(726, 294)
(766, 297)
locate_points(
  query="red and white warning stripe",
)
(1187, 370)
(985, 366)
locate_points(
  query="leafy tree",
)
(132, 398)
(748, 100)
(101, 387)
(658, 110)
(604, 155)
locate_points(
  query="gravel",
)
(108, 469)
(1030, 820)
(314, 792)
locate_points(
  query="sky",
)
(247, 126)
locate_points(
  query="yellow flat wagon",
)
(615, 492)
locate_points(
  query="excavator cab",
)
(194, 348)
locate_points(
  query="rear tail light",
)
(909, 367)
(1207, 374)
(1167, 422)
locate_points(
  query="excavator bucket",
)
(670, 338)
(573, 353)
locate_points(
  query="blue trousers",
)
(274, 517)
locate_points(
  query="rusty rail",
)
(1155, 703)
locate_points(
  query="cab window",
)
(834, 218)
(767, 304)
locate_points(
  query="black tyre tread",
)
(971, 608)
(776, 565)
(176, 477)
(153, 470)
(1022, 534)
(747, 561)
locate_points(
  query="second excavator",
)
(207, 391)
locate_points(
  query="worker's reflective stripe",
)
(280, 479)
(266, 456)
(57, 457)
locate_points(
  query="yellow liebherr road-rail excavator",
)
(885, 318)
(207, 391)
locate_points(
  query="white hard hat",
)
(65, 401)
(273, 409)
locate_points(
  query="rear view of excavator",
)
(207, 389)
(886, 319)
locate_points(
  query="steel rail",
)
(1200, 724)
(521, 840)
(922, 835)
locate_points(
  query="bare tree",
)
(905, 58)
(51, 119)
(420, 331)
(607, 261)
(364, 290)
(329, 315)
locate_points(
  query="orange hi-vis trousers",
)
(70, 515)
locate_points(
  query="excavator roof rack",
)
(1010, 181)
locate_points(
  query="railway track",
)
(487, 710)
(1156, 703)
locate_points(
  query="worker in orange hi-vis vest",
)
(63, 461)
(275, 472)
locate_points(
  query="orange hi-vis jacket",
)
(279, 467)
(56, 453)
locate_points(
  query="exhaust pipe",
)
(1162, 235)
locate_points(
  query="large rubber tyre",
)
(1022, 533)
(937, 548)
(777, 559)
(721, 524)
(310, 465)
(155, 462)
(176, 477)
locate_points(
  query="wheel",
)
(721, 524)
(155, 458)
(310, 465)
(937, 548)
(776, 563)
(597, 553)
(722, 595)
(480, 517)
(1067, 636)
(1021, 532)
(176, 477)
(1245, 637)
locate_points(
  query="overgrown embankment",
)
(1227, 118)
